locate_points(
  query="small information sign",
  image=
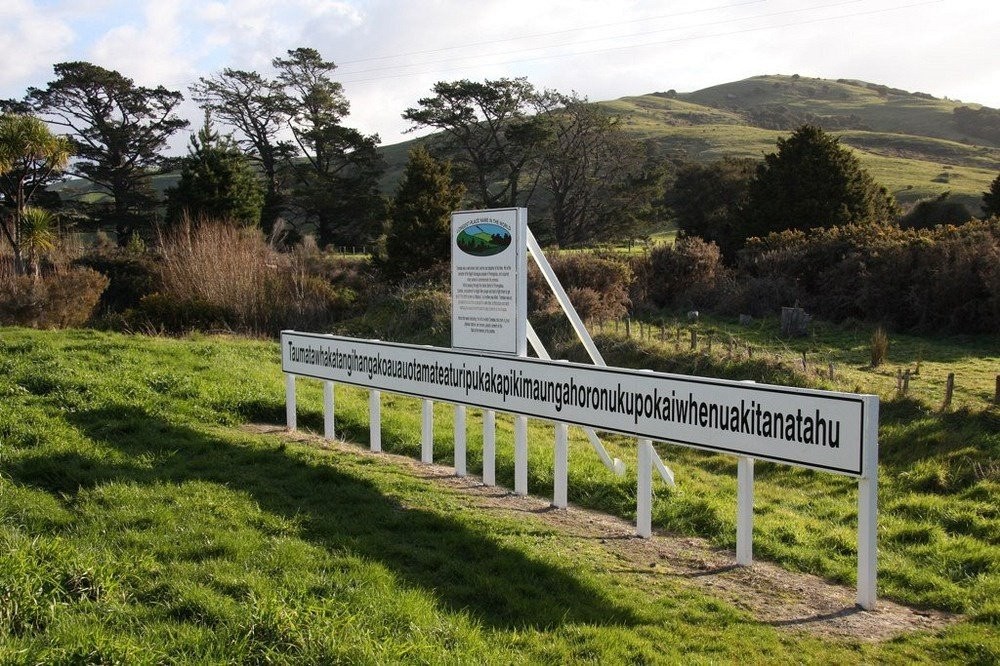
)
(489, 280)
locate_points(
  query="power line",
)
(550, 34)
(648, 44)
(604, 39)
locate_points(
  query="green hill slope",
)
(909, 141)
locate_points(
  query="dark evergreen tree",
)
(117, 129)
(258, 109)
(991, 199)
(420, 227)
(706, 200)
(813, 181)
(216, 182)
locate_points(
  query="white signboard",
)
(489, 280)
(816, 429)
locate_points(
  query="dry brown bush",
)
(216, 275)
(60, 298)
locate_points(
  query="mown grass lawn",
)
(140, 524)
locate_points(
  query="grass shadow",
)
(464, 568)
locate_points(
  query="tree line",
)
(276, 148)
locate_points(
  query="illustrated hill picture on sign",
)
(483, 240)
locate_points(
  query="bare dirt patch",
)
(785, 599)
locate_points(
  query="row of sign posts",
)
(487, 368)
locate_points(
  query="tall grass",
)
(221, 265)
(215, 274)
(879, 347)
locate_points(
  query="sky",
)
(391, 52)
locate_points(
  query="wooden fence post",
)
(949, 390)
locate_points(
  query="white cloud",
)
(391, 52)
(31, 40)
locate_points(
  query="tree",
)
(929, 213)
(216, 182)
(258, 109)
(490, 132)
(706, 200)
(420, 229)
(30, 155)
(812, 181)
(599, 179)
(336, 187)
(117, 130)
(38, 234)
(991, 199)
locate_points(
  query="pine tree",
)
(813, 181)
(216, 182)
(419, 231)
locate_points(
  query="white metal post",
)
(744, 511)
(427, 432)
(460, 440)
(520, 455)
(328, 408)
(489, 448)
(290, 421)
(644, 489)
(868, 508)
(560, 471)
(375, 420)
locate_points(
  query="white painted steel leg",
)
(868, 509)
(460, 440)
(560, 482)
(644, 490)
(328, 404)
(290, 420)
(427, 433)
(744, 511)
(520, 455)
(867, 499)
(375, 420)
(489, 448)
(615, 465)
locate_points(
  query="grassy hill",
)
(909, 141)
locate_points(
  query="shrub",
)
(131, 276)
(757, 296)
(943, 278)
(929, 213)
(63, 298)
(686, 274)
(597, 285)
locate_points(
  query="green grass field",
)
(140, 524)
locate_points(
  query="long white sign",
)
(489, 280)
(817, 429)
